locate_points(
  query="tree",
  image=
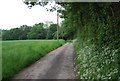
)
(51, 31)
(37, 32)
(16, 33)
(46, 26)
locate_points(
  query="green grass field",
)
(16, 55)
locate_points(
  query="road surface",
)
(57, 64)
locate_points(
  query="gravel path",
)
(57, 64)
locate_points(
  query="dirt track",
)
(57, 64)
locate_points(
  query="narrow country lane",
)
(57, 64)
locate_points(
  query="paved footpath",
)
(58, 64)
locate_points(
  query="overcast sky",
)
(14, 13)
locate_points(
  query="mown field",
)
(16, 55)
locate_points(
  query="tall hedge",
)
(96, 28)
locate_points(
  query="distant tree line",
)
(37, 31)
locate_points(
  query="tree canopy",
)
(37, 31)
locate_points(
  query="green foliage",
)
(51, 31)
(65, 31)
(17, 55)
(96, 29)
(16, 33)
(32, 3)
(95, 64)
(37, 31)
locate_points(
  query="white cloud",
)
(14, 13)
